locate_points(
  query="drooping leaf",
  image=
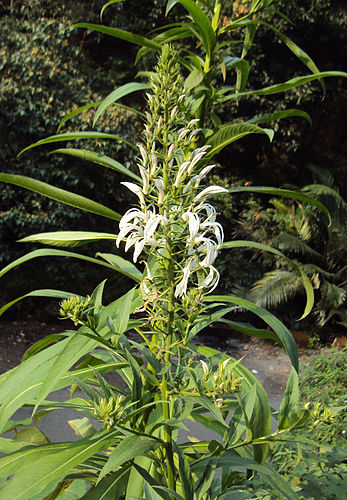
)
(76, 112)
(129, 448)
(289, 84)
(305, 280)
(278, 115)
(58, 194)
(279, 328)
(268, 474)
(42, 465)
(124, 266)
(287, 193)
(38, 293)
(228, 133)
(122, 34)
(50, 252)
(67, 238)
(98, 158)
(117, 94)
(111, 2)
(73, 136)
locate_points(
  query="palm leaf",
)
(287, 241)
(276, 287)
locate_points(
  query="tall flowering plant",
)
(131, 441)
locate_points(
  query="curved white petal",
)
(209, 191)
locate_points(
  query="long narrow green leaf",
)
(305, 280)
(297, 51)
(228, 133)
(50, 252)
(272, 477)
(76, 112)
(278, 115)
(290, 402)
(286, 193)
(202, 23)
(279, 328)
(117, 94)
(128, 449)
(289, 84)
(122, 265)
(111, 2)
(72, 136)
(38, 293)
(250, 330)
(100, 159)
(67, 238)
(61, 195)
(122, 34)
(51, 465)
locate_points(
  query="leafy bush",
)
(44, 74)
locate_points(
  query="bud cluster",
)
(74, 308)
(108, 411)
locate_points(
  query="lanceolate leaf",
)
(67, 238)
(202, 23)
(128, 449)
(268, 474)
(112, 261)
(122, 265)
(278, 115)
(123, 35)
(279, 328)
(77, 111)
(295, 195)
(111, 2)
(98, 158)
(226, 134)
(73, 136)
(42, 465)
(289, 84)
(117, 94)
(305, 280)
(61, 195)
(38, 293)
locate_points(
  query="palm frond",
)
(290, 242)
(276, 287)
(323, 175)
(333, 296)
(312, 269)
(320, 190)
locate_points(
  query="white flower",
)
(154, 163)
(136, 190)
(205, 171)
(145, 178)
(204, 368)
(211, 253)
(211, 280)
(181, 171)
(160, 187)
(143, 153)
(209, 191)
(181, 288)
